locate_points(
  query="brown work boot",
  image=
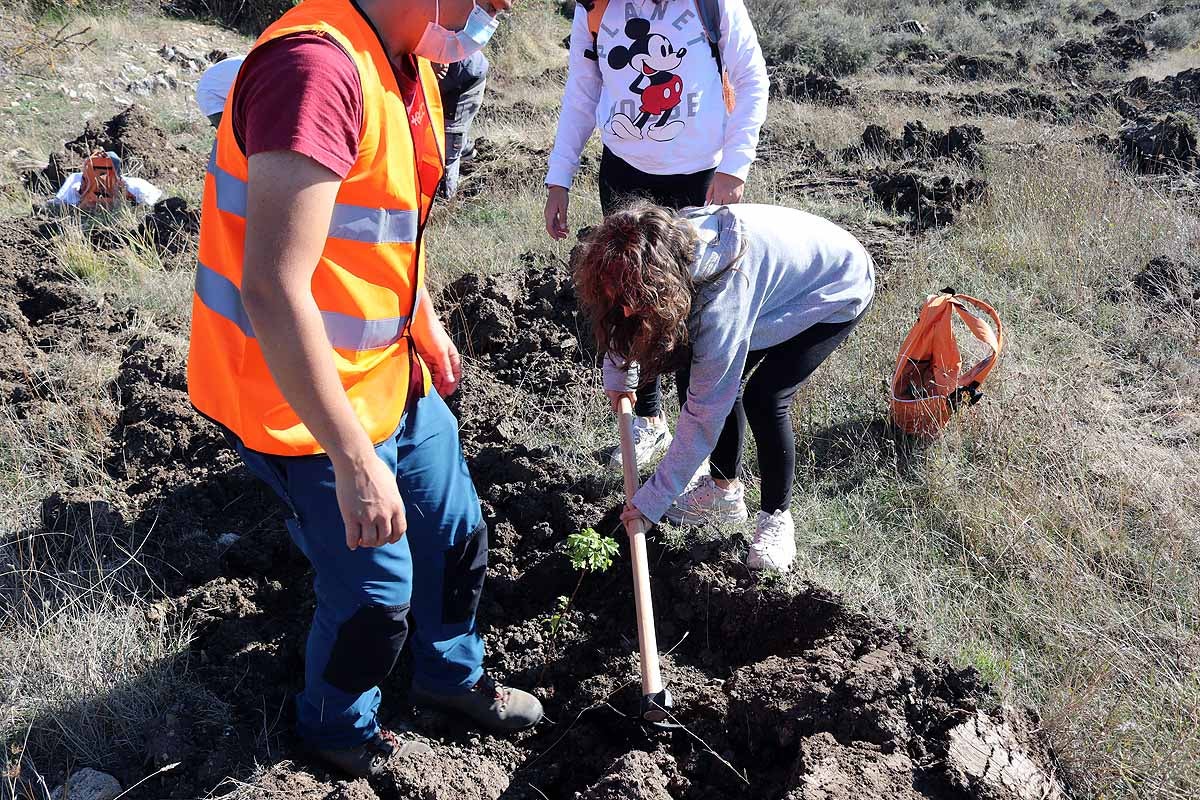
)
(369, 758)
(492, 706)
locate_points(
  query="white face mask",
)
(444, 46)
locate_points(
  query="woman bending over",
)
(722, 294)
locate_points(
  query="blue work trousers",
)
(364, 596)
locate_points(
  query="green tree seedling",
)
(589, 552)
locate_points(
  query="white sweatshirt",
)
(655, 92)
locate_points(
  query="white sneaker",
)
(774, 545)
(649, 440)
(709, 503)
(702, 472)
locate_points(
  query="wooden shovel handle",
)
(647, 640)
(628, 456)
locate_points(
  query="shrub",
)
(1176, 31)
(827, 39)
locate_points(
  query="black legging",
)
(765, 402)
(621, 182)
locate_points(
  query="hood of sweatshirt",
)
(720, 239)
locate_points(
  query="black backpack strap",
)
(594, 53)
(710, 19)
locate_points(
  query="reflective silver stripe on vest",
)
(231, 190)
(345, 332)
(372, 225)
(354, 223)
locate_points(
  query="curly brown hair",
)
(639, 258)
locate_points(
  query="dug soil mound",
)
(780, 693)
(1169, 144)
(1143, 97)
(145, 150)
(797, 83)
(929, 201)
(959, 143)
(170, 226)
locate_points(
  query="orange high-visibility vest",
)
(372, 266)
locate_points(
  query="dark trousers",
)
(619, 183)
(765, 402)
(462, 95)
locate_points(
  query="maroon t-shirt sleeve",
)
(300, 93)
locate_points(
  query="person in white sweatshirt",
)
(652, 81)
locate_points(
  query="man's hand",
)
(724, 190)
(444, 362)
(614, 398)
(557, 201)
(369, 499)
(435, 346)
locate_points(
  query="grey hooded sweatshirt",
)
(796, 270)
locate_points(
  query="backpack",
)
(710, 20)
(929, 384)
(102, 185)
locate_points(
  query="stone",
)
(987, 758)
(88, 784)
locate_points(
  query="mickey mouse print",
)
(660, 77)
(645, 73)
(655, 61)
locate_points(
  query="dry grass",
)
(90, 683)
(1049, 539)
(39, 72)
(1169, 64)
(848, 38)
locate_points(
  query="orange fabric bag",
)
(929, 383)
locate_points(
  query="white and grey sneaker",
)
(708, 502)
(774, 545)
(702, 472)
(649, 440)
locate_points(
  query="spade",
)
(656, 699)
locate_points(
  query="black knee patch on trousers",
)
(462, 580)
(367, 647)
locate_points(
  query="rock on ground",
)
(88, 784)
(988, 759)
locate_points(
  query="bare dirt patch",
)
(784, 693)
